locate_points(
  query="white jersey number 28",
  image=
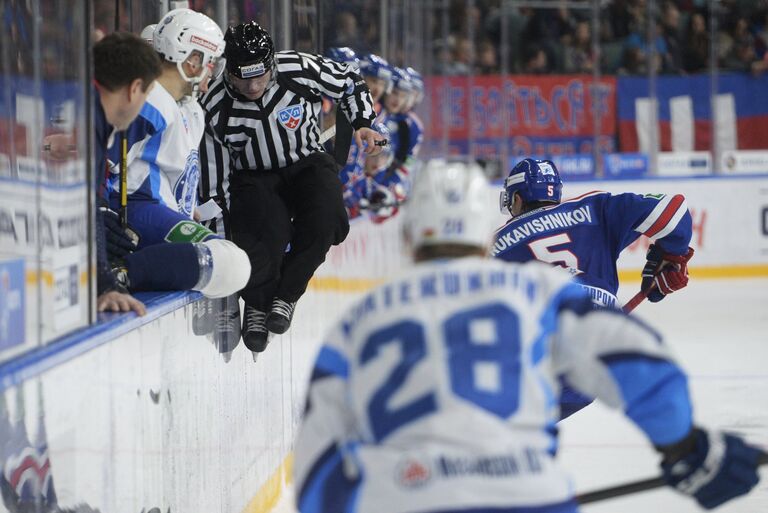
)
(488, 334)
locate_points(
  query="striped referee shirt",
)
(282, 126)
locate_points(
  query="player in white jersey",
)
(437, 392)
(163, 170)
(163, 142)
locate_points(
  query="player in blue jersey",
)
(377, 74)
(339, 145)
(405, 127)
(379, 184)
(436, 392)
(586, 234)
(370, 186)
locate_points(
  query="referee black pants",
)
(297, 208)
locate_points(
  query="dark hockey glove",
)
(665, 271)
(120, 241)
(711, 467)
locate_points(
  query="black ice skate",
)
(226, 330)
(279, 319)
(255, 334)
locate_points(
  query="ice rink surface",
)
(719, 332)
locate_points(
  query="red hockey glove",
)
(666, 271)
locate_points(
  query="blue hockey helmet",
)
(372, 65)
(401, 80)
(533, 180)
(416, 79)
(343, 54)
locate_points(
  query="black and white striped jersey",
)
(283, 125)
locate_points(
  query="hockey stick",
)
(638, 298)
(124, 180)
(330, 132)
(327, 134)
(637, 486)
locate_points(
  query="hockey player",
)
(418, 87)
(163, 171)
(370, 186)
(378, 76)
(434, 392)
(262, 119)
(405, 127)
(586, 234)
(340, 144)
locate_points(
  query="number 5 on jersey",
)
(542, 250)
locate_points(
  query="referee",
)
(285, 197)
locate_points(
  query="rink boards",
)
(148, 414)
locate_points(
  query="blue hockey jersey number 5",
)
(484, 335)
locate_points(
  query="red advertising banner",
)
(553, 112)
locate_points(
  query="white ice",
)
(719, 332)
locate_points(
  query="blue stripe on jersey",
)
(327, 489)
(147, 124)
(331, 362)
(311, 490)
(562, 507)
(569, 294)
(153, 179)
(655, 395)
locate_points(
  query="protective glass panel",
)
(44, 251)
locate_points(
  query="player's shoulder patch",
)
(657, 196)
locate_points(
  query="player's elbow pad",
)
(224, 268)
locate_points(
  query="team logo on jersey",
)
(413, 473)
(290, 117)
(185, 189)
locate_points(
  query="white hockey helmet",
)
(450, 203)
(148, 32)
(184, 31)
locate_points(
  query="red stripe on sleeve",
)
(665, 216)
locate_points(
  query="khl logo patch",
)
(290, 117)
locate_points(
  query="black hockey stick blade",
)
(636, 487)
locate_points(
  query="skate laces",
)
(255, 320)
(225, 320)
(283, 308)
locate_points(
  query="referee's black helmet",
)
(249, 50)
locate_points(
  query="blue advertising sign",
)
(579, 166)
(12, 303)
(625, 165)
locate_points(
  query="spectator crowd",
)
(491, 36)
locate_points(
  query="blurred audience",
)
(559, 39)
